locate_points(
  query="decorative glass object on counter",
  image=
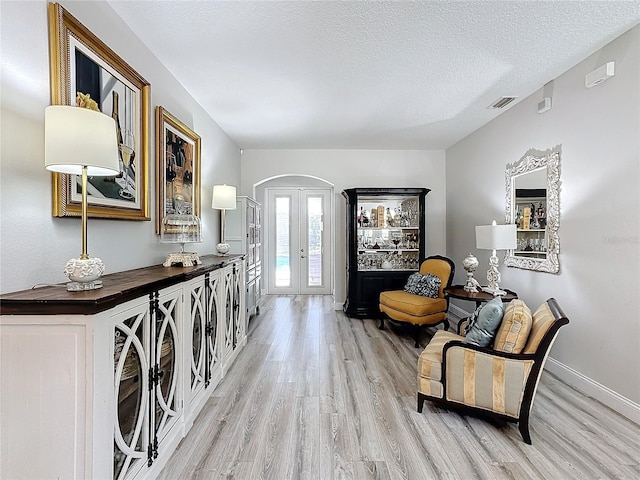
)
(181, 229)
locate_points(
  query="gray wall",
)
(34, 246)
(598, 284)
(358, 168)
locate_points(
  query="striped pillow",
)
(515, 328)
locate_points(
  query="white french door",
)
(298, 251)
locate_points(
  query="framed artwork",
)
(87, 73)
(177, 167)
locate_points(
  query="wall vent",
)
(502, 102)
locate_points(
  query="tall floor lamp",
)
(495, 237)
(224, 198)
(79, 141)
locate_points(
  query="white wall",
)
(358, 168)
(34, 246)
(598, 285)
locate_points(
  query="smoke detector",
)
(599, 75)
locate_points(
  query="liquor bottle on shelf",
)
(364, 219)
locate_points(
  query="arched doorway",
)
(297, 241)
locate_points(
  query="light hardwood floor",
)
(317, 395)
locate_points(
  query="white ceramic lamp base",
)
(84, 274)
(223, 248)
(493, 277)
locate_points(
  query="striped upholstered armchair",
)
(499, 381)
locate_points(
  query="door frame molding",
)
(297, 181)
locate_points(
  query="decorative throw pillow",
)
(484, 322)
(425, 285)
(472, 319)
(516, 326)
(412, 281)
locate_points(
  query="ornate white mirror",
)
(533, 204)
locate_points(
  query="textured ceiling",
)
(374, 75)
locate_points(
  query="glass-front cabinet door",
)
(131, 369)
(227, 304)
(146, 364)
(238, 308)
(388, 232)
(197, 333)
(213, 337)
(166, 366)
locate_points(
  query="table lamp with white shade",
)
(495, 237)
(224, 198)
(80, 141)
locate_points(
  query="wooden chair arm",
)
(487, 350)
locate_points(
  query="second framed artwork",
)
(177, 167)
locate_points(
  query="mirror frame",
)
(534, 160)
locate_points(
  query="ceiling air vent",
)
(502, 102)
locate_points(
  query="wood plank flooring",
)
(317, 395)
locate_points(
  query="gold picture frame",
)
(86, 72)
(177, 167)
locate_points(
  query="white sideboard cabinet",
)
(244, 236)
(104, 384)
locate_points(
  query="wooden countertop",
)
(117, 288)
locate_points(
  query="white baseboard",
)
(581, 382)
(590, 387)
(458, 312)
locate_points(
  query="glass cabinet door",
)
(213, 349)
(237, 292)
(228, 311)
(388, 233)
(131, 385)
(166, 360)
(197, 332)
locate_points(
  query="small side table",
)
(458, 292)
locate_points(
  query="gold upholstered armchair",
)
(419, 311)
(498, 381)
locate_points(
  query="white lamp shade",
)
(496, 237)
(224, 197)
(75, 137)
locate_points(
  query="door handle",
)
(302, 253)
